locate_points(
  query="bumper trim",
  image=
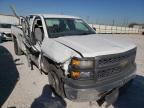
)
(94, 93)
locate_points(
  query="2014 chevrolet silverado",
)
(80, 64)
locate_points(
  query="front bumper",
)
(93, 90)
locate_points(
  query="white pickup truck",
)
(80, 64)
(5, 30)
(5, 26)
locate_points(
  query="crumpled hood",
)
(96, 44)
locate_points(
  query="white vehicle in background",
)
(5, 30)
(80, 64)
(5, 25)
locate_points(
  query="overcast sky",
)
(96, 11)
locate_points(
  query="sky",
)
(117, 12)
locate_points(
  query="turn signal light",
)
(75, 62)
(75, 74)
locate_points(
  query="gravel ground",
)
(22, 88)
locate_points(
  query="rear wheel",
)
(54, 77)
(17, 50)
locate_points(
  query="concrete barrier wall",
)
(8, 19)
(116, 29)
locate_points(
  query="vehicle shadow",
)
(47, 100)
(133, 97)
(8, 74)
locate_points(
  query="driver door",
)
(37, 33)
(26, 32)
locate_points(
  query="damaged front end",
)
(90, 78)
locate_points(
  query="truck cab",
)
(80, 64)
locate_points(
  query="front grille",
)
(108, 72)
(116, 58)
(110, 65)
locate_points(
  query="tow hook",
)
(107, 100)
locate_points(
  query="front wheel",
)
(54, 77)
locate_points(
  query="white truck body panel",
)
(56, 16)
(56, 51)
(95, 45)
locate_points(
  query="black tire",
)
(54, 77)
(17, 50)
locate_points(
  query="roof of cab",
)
(56, 16)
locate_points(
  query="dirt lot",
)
(21, 87)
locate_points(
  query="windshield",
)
(59, 27)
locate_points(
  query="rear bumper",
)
(93, 90)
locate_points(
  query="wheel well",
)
(57, 65)
(59, 72)
(60, 75)
(51, 61)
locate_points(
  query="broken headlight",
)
(83, 63)
(81, 67)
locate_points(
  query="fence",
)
(116, 29)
